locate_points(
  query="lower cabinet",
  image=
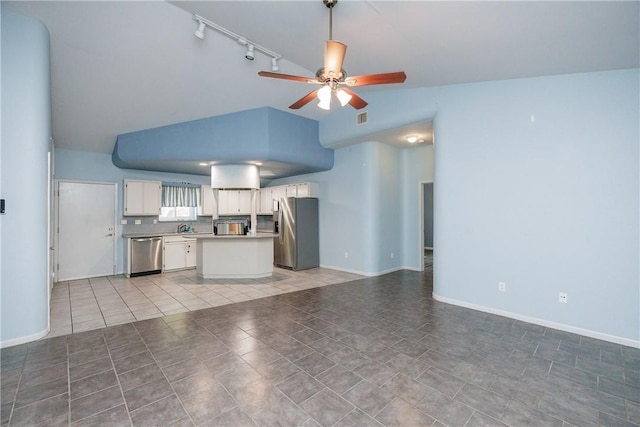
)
(178, 253)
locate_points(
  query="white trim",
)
(368, 274)
(25, 339)
(546, 323)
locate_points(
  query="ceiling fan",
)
(333, 78)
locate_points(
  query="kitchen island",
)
(234, 256)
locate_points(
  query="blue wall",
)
(536, 185)
(26, 132)
(369, 207)
(86, 166)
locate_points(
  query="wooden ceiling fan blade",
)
(376, 79)
(355, 101)
(287, 77)
(333, 58)
(304, 100)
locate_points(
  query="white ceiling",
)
(124, 66)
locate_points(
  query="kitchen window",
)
(180, 202)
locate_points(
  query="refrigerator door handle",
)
(280, 224)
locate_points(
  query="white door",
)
(86, 230)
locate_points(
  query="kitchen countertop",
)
(259, 235)
(196, 235)
(161, 234)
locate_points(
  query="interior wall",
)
(366, 203)
(26, 132)
(539, 189)
(86, 166)
(417, 167)
(536, 185)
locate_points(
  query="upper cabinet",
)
(142, 197)
(306, 189)
(270, 194)
(207, 204)
(234, 202)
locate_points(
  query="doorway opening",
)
(426, 225)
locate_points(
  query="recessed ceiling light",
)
(412, 139)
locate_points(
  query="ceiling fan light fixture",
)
(199, 33)
(324, 95)
(325, 104)
(343, 97)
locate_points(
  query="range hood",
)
(235, 177)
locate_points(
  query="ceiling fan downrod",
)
(330, 4)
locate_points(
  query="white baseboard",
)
(366, 273)
(542, 322)
(25, 339)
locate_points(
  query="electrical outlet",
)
(346, 254)
(563, 297)
(392, 255)
(123, 222)
(138, 222)
(502, 287)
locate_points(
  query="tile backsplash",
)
(202, 225)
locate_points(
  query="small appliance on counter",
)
(230, 227)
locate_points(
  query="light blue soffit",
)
(285, 144)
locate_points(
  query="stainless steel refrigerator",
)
(297, 245)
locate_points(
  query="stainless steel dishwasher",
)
(146, 256)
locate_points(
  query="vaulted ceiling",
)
(124, 66)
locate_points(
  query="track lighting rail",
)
(251, 46)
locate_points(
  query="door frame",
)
(421, 220)
(57, 221)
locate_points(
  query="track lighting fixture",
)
(199, 33)
(251, 46)
(249, 53)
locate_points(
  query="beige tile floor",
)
(82, 305)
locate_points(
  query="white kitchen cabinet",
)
(174, 256)
(291, 190)
(278, 192)
(207, 200)
(190, 247)
(266, 202)
(142, 197)
(178, 253)
(234, 202)
(307, 189)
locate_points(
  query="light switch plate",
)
(138, 221)
(123, 222)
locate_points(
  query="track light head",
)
(249, 53)
(274, 65)
(199, 33)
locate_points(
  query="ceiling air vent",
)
(362, 118)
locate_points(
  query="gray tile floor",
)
(369, 352)
(87, 304)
